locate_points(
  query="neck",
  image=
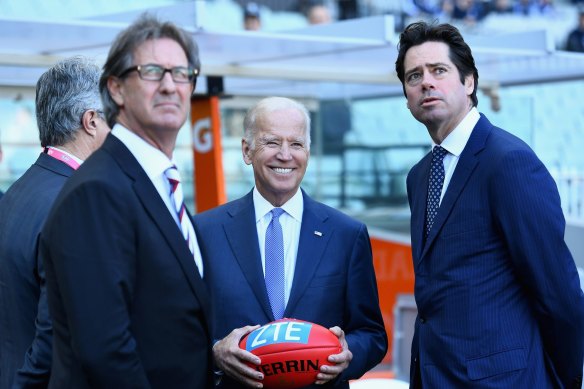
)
(162, 140)
(80, 151)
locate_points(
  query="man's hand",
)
(341, 360)
(230, 358)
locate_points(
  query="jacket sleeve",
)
(530, 217)
(35, 371)
(364, 329)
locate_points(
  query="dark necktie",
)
(275, 264)
(435, 186)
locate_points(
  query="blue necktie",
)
(435, 186)
(275, 264)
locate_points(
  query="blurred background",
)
(337, 57)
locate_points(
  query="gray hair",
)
(63, 94)
(271, 104)
(121, 54)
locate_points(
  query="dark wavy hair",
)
(121, 53)
(460, 53)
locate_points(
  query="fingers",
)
(340, 361)
(236, 362)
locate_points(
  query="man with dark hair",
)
(124, 271)
(71, 126)
(498, 295)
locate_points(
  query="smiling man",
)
(497, 291)
(124, 271)
(321, 270)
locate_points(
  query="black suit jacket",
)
(24, 319)
(128, 305)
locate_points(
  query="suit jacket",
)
(498, 295)
(128, 305)
(334, 281)
(25, 327)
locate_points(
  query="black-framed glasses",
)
(152, 72)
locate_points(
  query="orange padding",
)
(378, 374)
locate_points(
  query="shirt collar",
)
(293, 207)
(78, 160)
(456, 141)
(153, 161)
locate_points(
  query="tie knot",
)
(172, 173)
(276, 213)
(438, 153)
(173, 177)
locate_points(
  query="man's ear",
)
(89, 121)
(247, 152)
(114, 86)
(469, 84)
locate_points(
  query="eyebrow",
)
(428, 65)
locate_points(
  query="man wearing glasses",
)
(124, 271)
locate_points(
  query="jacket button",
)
(422, 320)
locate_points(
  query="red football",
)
(292, 352)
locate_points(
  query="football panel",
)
(292, 369)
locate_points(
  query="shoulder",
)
(230, 209)
(330, 214)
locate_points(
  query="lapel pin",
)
(317, 233)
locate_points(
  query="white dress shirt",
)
(291, 221)
(155, 162)
(454, 143)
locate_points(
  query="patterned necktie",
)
(176, 195)
(435, 186)
(275, 264)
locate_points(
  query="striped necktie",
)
(177, 199)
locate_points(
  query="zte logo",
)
(285, 332)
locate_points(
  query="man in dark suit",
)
(124, 272)
(71, 126)
(327, 274)
(498, 296)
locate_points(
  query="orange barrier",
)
(392, 258)
(209, 179)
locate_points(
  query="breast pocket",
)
(496, 363)
(327, 280)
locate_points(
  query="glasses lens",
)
(181, 74)
(151, 72)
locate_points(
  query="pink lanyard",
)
(61, 156)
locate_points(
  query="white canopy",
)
(345, 59)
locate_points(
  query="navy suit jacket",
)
(498, 295)
(128, 305)
(334, 281)
(25, 327)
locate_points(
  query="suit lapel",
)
(419, 206)
(466, 165)
(314, 236)
(244, 244)
(158, 212)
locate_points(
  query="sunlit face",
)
(435, 95)
(155, 110)
(280, 155)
